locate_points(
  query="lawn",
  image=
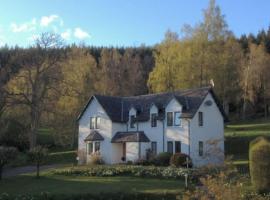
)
(56, 184)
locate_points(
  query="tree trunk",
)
(34, 127)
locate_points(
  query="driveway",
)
(10, 172)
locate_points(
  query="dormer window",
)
(153, 119)
(177, 119)
(169, 118)
(132, 121)
(92, 122)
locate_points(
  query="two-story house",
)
(122, 129)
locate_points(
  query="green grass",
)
(55, 184)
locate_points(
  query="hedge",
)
(125, 170)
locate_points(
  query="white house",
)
(122, 129)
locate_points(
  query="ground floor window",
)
(170, 146)
(154, 147)
(177, 146)
(97, 146)
(200, 148)
(89, 148)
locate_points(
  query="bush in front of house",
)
(259, 159)
(162, 159)
(96, 159)
(125, 170)
(180, 160)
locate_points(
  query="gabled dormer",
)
(173, 112)
(153, 115)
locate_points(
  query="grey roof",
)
(190, 99)
(94, 136)
(132, 136)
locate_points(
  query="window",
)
(154, 120)
(132, 121)
(200, 148)
(92, 122)
(169, 118)
(200, 118)
(154, 147)
(177, 147)
(177, 119)
(170, 147)
(97, 146)
(89, 148)
(97, 122)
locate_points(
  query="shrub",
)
(96, 159)
(12, 133)
(7, 154)
(259, 157)
(38, 155)
(180, 160)
(162, 159)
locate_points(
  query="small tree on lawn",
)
(38, 155)
(6, 155)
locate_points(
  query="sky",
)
(119, 22)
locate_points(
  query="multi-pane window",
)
(154, 147)
(177, 147)
(97, 122)
(169, 118)
(200, 118)
(177, 119)
(154, 120)
(132, 121)
(200, 148)
(170, 146)
(97, 146)
(89, 148)
(92, 122)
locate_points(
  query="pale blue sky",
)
(119, 22)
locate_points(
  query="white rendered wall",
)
(211, 134)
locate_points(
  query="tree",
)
(78, 83)
(38, 155)
(7, 154)
(34, 86)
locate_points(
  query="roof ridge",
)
(152, 94)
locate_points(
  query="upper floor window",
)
(154, 120)
(200, 118)
(132, 121)
(97, 122)
(92, 122)
(169, 118)
(177, 119)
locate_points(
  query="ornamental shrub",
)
(180, 160)
(37, 155)
(96, 159)
(162, 159)
(259, 161)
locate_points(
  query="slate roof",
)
(94, 136)
(190, 99)
(132, 136)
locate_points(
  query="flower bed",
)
(125, 170)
